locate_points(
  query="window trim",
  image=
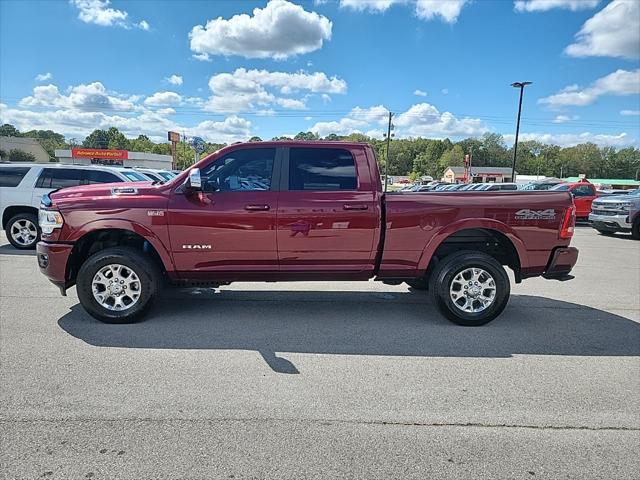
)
(83, 178)
(275, 172)
(284, 178)
(21, 178)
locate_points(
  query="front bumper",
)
(617, 223)
(562, 261)
(52, 260)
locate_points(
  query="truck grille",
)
(596, 211)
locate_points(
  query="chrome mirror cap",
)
(194, 181)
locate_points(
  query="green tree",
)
(16, 155)
(3, 154)
(306, 136)
(255, 139)
(117, 140)
(451, 158)
(96, 139)
(142, 144)
(8, 130)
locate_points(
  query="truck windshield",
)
(135, 177)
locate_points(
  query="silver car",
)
(617, 213)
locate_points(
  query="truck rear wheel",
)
(470, 288)
(118, 285)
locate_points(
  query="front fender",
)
(121, 224)
(473, 223)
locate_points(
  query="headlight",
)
(625, 206)
(49, 220)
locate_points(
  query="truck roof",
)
(298, 143)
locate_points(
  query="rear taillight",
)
(568, 223)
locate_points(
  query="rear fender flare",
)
(485, 224)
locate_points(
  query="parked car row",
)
(23, 184)
(450, 187)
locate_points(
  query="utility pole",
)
(521, 86)
(386, 164)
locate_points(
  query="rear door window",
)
(60, 178)
(12, 176)
(99, 176)
(321, 169)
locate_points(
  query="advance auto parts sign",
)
(99, 153)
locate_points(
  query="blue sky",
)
(227, 70)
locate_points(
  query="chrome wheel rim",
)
(24, 232)
(473, 290)
(116, 287)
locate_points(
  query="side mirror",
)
(194, 182)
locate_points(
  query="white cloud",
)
(83, 108)
(565, 118)
(243, 90)
(544, 5)
(629, 113)
(420, 93)
(163, 98)
(279, 30)
(425, 120)
(421, 120)
(612, 32)
(445, 91)
(92, 96)
(344, 126)
(571, 139)
(231, 129)
(620, 82)
(447, 10)
(174, 79)
(357, 121)
(43, 77)
(98, 12)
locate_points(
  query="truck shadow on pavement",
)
(8, 249)
(358, 323)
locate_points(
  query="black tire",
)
(418, 284)
(444, 274)
(21, 217)
(143, 266)
(607, 233)
(635, 229)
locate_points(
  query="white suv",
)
(23, 184)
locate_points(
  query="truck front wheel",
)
(470, 288)
(118, 285)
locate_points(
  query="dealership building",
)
(122, 158)
(478, 174)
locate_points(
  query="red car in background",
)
(583, 192)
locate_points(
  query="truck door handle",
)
(348, 206)
(254, 208)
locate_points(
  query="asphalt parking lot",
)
(326, 380)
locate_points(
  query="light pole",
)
(521, 86)
(386, 165)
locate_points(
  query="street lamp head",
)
(520, 84)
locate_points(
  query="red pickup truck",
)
(297, 211)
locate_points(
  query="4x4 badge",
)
(526, 214)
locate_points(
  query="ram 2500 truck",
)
(296, 211)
